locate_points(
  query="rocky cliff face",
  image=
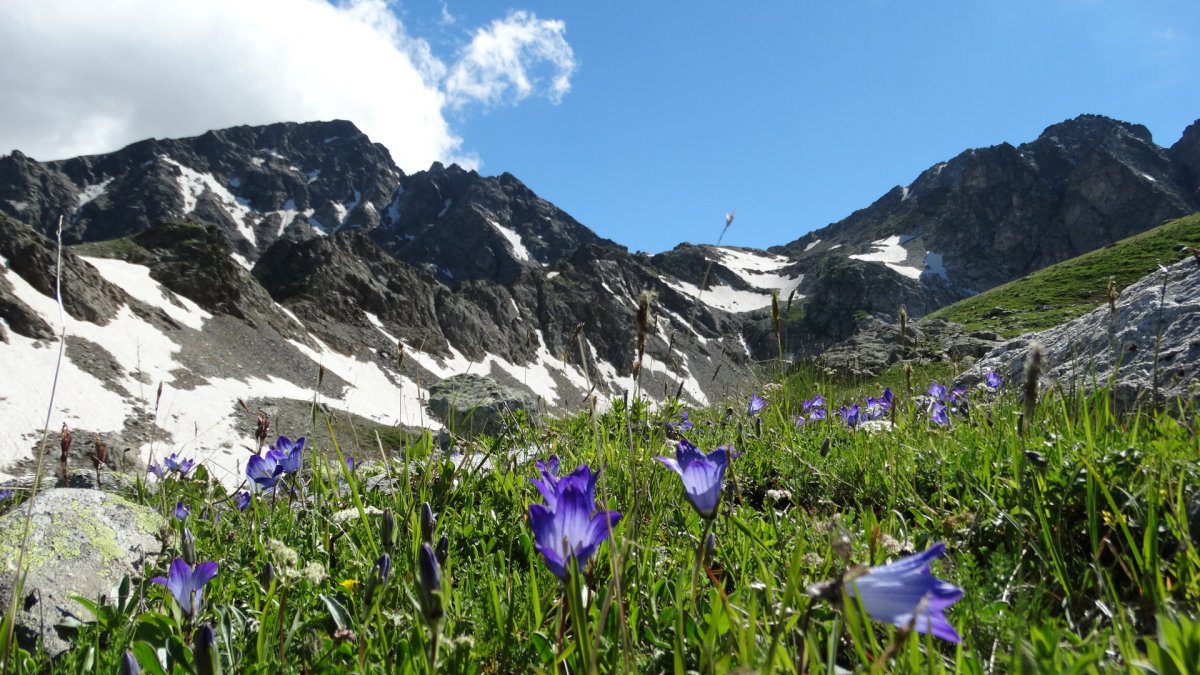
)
(235, 265)
(995, 214)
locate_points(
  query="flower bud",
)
(383, 566)
(267, 575)
(187, 545)
(430, 577)
(129, 664)
(204, 651)
(442, 550)
(387, 530)
(428, 523)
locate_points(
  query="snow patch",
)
(724, 298)
(514, 241)
(445, 208)
(811, 245)
(934, 264)
(90, 192)
(889, 252)
(137, 282)
(193, 185)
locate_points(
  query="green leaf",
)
(341, 618)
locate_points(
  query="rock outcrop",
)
(1149, 347)
(81, 542)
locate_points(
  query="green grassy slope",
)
(1074, 287)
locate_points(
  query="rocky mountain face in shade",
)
(288, 261)
(992, 215)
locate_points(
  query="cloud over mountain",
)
(84, 78)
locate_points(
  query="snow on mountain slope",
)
(762, 271)
(890, 252)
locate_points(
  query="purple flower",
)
(187, 584)
(571, 528)
(182, 510)
(757, 403)
(350, 464)
(242, 500)
(288, 453)
(993, 380)
(684, 424)
(817, 401)
(817, 414)
(702, 475)
(157, 469)
(5, 495)
(938, 414)
(937, 391)
(905, 593)
(172, 462)
(264, 471)
(875, 408)
(851, 416)
(550, 485)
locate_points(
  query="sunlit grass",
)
(1073, 545)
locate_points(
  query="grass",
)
(1073, 546)
(1072, 288)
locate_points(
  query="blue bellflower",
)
(702, 475)
(173, 462)
(851, 416)
(264, 471)
(288, 453)
(550, 485)
(906, 594)
(993, 380)
(756, 404)
(187, 584)
(571, 528)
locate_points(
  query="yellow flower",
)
(349, 584)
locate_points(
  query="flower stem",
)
(708, 522)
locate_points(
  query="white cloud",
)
(90, 77)
(513, 58)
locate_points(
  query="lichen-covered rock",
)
(473, 404)
(81, 542)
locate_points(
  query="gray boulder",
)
(1156, 326)
(81, 542)
(475, 404)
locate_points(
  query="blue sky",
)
(647, 121)
(796, 114)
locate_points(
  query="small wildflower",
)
(173, 462)
(906, 594)
(182, 510)
(993, 380)
(756, 404)
(349, 584)
(851, 416)
(702, 475)
(683, 425)
(242, 500)
(568, 527)
(288, 454)
(187, 584)
(264, 471)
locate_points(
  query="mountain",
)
(265, 267)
